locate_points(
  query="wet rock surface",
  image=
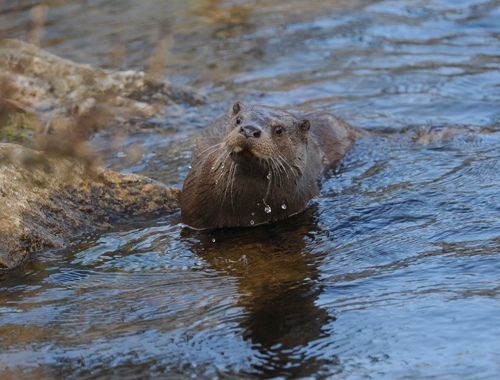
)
(45, 200)
(55, 105)
(59, 90)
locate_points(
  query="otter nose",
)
(250, 131)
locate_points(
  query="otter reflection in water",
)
(278, 283)
(260, 164)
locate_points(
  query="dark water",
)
(394, 272)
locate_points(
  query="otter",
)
(260, 164)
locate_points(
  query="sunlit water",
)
(394, 272)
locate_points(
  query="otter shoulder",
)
(333, 135)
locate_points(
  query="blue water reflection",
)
(392, 273)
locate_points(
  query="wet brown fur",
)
(244, 173)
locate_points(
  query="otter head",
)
(250, 167)
(268, 138)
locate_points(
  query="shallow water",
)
(392, 273)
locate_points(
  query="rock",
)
(45, 200)
(427, 134)
(53, 87)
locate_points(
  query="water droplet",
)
(189, 166)
(213, 167)
(269, 176)
(216, 182)
(267, 209)
(252, 222)
(253, 213)
(258, 204)
(283, 206)
(222, 166)
(213, 240)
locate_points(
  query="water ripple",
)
(391, 273)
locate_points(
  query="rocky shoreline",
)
(46, 200)
(53, 193)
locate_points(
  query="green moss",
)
(20, 128)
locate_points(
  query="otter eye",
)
(238, 120)
(278, 130)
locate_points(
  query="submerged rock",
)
(45, 200)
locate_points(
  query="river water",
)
(394, 272)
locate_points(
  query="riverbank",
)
(54, 105)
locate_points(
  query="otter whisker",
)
(291, 169)
(295, 174)
(224, 151)
(280, 173)
(214, 165)
(271, 166)
(299, 170)
(223, 163)
(232, 182)
(228, 181)
(280, 162)
(278, 170)
(209, 151)
(210, 147)
(275, 170)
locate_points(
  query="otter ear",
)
(304, 126)
(237, 106)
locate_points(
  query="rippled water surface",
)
(394, 272)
